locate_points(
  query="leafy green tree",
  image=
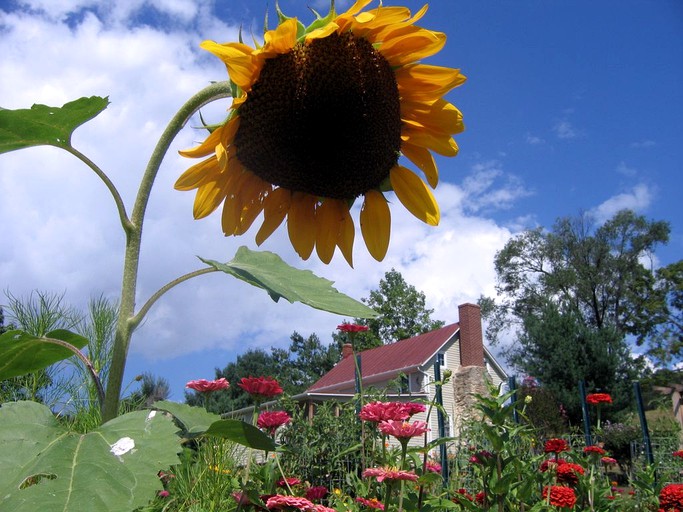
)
(152, 389)
(583, 287)
(402, 314)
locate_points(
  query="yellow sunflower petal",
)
(301, 223)
(423, 158)
(358, 6)
(419, 82)
(388, 19)
(275, 208)
(437, 116)
(347, 233)
(198, 174)
(251, 194)
(322, 32)
(282, 39)
(242, 65)
(420, 136)
(208, 198)
(411, 44)
(327, 229)
(375, 224)
(230, 215)
(224, 134)
(415, 195)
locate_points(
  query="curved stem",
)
(125, 325)
(88, 364)
(135, 321)
(123, 216)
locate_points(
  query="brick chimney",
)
(471, 337)
(347, 350)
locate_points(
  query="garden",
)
(106, 451)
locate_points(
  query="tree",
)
(402, 314)
(583, 287)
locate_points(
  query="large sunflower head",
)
(320, 117)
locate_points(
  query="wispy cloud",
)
(488, 188)
(643, 144)
(534, 140)
(624, 169)
(565, 130)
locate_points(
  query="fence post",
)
(512, 384)
(643, 423)
(442, 426)
(359, 384)
(585, 414)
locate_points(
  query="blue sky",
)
(569, 107)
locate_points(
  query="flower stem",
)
(125, 324)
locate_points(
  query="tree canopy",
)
(572, 295)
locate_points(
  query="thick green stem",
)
(126, 324)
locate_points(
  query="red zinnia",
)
(678, 453)
(598, 398)
(371, 503)
(316, 493)
(560, 496)
(551, 464)
(569, 472)
(594, 449)
(272, 420)
(352, 328)
(205, 386)
(280, 501)
(556, 445)
(265, 387)
(671, 498)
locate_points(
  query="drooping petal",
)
(410, 44)
(301, 223)
(347, 233)
(210, 196)
(418, 135)
(375, 224)
(424, 159)
(327, 229)
(437, 116)
(198, 174)
(275, 208)
(252, 193)
(224, 134)
(414, 195)
(322, 32)
(419, 82)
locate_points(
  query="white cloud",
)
(637, 199)
(534, 140)
(565, 130)
(643, 144)
(624, 169)
(488, 188)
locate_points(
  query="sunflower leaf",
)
(42, 125)
(195, 420)
(242, 433)
(110, 469)
(267, 270)
(22, 353)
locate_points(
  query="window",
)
(404, 384)
(441, 358)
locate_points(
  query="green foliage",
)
(43, 125)
(401, 314)
(543, 411)
(47, 467)
(618, 438)
(664, 311)
(266, 270)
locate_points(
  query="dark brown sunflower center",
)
(323, 119)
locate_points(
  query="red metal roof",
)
(387, 360)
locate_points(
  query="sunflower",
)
(320, 116)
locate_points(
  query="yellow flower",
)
(320, 116)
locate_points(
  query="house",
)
(405, 371)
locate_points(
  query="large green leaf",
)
(112, 469)
(22, 353)
(242, 433)
(42, 125)
(195, 420)
(267, 270)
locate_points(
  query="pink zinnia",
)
(265, 387)
(433, 467)
(272, 420)
(322, 508)
(598, 398)
(608, 461)
(163, 494)
(371, 503)
(556, 446)
(413, 408)
(389, 474)
(280, 501)
(283, 482)
(205, 386)
(403, 429)
(383, 411)
(352, 327)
